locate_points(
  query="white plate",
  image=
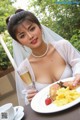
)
(18, 112)
(38, 102)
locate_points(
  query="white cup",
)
(7, 112)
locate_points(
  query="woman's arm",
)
(73, 58)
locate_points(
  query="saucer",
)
(18, 109)
(19, 116)
(18, 112)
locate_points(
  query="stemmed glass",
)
(26, 76)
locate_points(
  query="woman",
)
(49, 62)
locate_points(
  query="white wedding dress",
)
(21, 54)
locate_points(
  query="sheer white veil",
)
(20, 53)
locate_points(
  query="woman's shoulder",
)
(62, 46)
(62, 43)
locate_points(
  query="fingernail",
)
(74, 84)
(35, 90)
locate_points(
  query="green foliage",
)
(63, 19)
(4, 61)
(75, 40)
(6, 9)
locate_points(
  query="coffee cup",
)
(7, 112)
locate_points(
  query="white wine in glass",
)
(25, 76)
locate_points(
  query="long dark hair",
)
(20, 16)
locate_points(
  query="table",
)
(72, 113)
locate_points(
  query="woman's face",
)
(29, 34)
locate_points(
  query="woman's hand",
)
(31, 93)
(76, 80)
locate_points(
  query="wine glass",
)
(26, 76)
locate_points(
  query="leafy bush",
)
(75, 39)
(4, 60)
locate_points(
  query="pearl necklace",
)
(42, 54)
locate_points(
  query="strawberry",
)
(48, 101)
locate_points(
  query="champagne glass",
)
(26, 76)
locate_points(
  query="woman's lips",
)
(34, 41)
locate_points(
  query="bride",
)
(47, 55)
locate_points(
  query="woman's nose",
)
(29, 35)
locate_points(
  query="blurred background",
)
(62, 16)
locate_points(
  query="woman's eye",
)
(22, 36)
(32, 28)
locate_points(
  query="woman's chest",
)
(49, 69)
